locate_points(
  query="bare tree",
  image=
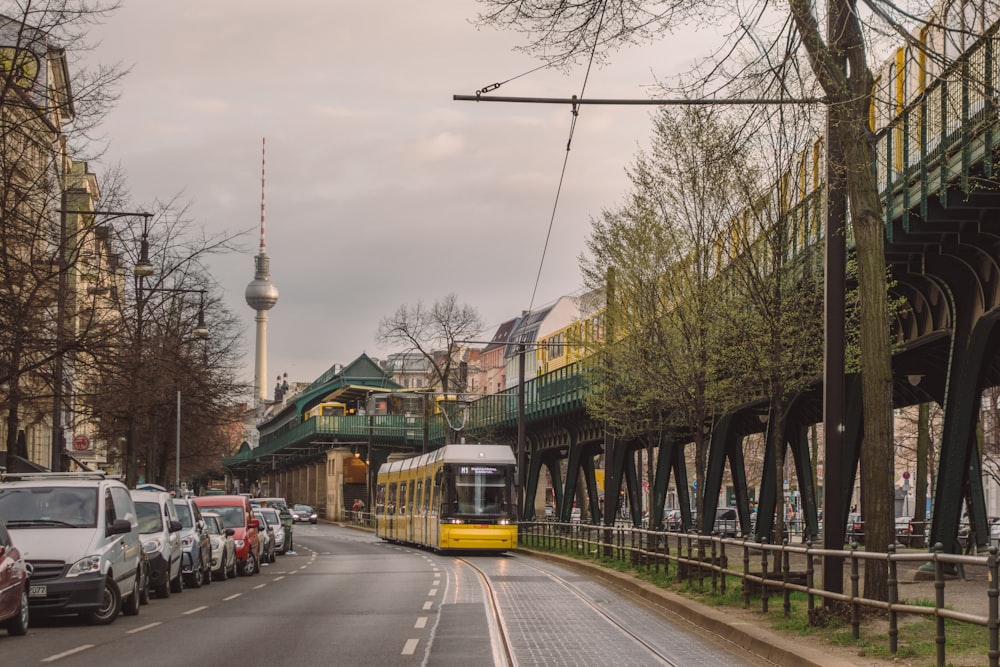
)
(439, 333)
(48, 107)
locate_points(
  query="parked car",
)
(80, 534)
(161, 540)
(268, 548)
(223, 547)
(303, 514)
(13, 586)
(855, 528)
(236, 513)
(196, 559)
(274, 524)
(673, 521)
(727, 522)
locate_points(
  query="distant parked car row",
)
(98, 549)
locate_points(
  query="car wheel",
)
(130, 607)
(177, 583)
(111, 604)
(144, 588)
(18, 625)
(194, 580)
(250, 565)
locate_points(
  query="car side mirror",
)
(230, 532)
(175, 526)
(119, 527)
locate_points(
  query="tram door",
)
(390, 513)
(409, 517)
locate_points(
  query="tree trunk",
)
(877, 451)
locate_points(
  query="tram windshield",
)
(480, 489)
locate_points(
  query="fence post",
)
(810, 581)
(939, 602)
(763, 576)
(893, 601)
(746, 573)
(993, 591)
(785, 571)
(855, 607)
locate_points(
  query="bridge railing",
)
(942, 132)
(767, 571)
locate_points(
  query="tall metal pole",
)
(132, 443)
(58, 382)
(521, 427)
(177, 463)
(833, 353)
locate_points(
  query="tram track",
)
(504, 635)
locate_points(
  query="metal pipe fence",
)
(783, 570)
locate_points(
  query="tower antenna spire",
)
(263, 155)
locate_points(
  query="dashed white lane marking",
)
(421, 622)
(232, 597)
(84, 647)
(278, 578)
(410, 647)
(142, 627)
(258, 586)
(432, 592)
(195, 610)
(428, 605)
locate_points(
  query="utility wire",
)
(562, 174)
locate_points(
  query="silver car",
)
(80, 535)
(223, 547)
(274, 522)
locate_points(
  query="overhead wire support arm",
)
(638, 102)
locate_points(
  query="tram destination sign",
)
(477, 470)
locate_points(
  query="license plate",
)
(37, 591)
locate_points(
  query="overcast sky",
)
(381, 190)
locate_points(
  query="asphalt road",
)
(346, 598)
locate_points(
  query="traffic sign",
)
(81, 443)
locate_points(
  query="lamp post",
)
(59, 379)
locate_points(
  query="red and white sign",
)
(81, 443)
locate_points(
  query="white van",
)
(79, 533)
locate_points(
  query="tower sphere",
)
(261, 295)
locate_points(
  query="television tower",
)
(261, 295)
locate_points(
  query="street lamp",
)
(59, 379)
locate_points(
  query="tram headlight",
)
(453, 520)
(503, 522)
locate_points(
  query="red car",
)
(13, 586)
(237, 514)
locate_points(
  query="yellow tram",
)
(458, 498)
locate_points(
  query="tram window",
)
(409, 500)
(420, 496)
(380, 499)
(392, 498)
(480, 490)
(401, 504)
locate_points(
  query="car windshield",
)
(212, 523)
(150, 517)
(271, 516)
(184, 514)
(49, 507)
(303, 509)
(232, 516)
